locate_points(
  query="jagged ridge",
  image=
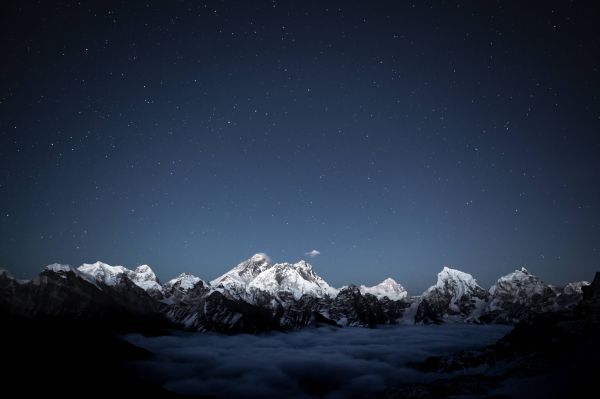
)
(260, 295)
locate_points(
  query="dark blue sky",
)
(393, 137)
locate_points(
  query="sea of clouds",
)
(323, 362)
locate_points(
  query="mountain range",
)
(259, 295)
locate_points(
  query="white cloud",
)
(313, 253)
(330, 362)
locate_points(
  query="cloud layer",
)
(338, 363)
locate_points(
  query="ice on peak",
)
(455, 275)
(101, 272)
(456, 284)
(258, 274)
(59, 268)
(185, 281)
(520, 284)
(297, 279)
(303, 264)
(260, 257)
(387, 288)
(143, 269)
(238, 277)
(575, 287)
(99, 264)
(144, 277)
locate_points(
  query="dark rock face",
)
(463, 385)
(351, 308)
(455, 297)
(214, 311)
(66, 296)
(592, 291)
(520, 294)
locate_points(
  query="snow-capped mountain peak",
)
(520, 285)
(103, 273)
(387, 288)
(260, 257)
(298, 279)
(575, 288)
(184, 282)
(456, 294)
(258, 274)
(144, 277)
(62, 270)
(461, 282)
(520, 292)
(244, 272)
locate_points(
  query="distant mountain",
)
(520, 293)
(182, 285)
(388, 288)
(235, 282)
(258, 295)
(257, 276)
(142, 276)
(65, 293)
(456, 296)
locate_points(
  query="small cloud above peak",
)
(260, 257)
(313, 254)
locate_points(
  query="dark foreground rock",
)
(70, 359)
(545, 356)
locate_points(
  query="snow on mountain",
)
(258, 275)
(575, 288)
(184, 282)
(518, 287)
(257, 295)
(235, 281)
(457, 282)
(455, 296)
(142, 276)
(519, 294)
(298, 279)
(62, 271)
(387, 288)
(104, 273)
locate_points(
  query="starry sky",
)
(391, 137)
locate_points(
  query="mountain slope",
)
(113, 276)
(257, 280)
(296, 279)
(388, 288)
(234, 282)
(456, 296)
(520, 293)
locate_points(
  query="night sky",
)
(392, 137)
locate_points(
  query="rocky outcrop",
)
(521, 294)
